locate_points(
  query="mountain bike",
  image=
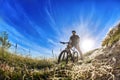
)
(68, 53)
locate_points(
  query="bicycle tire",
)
(62, 56)
(75, 56)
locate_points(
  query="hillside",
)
(99, 64)
(112, 37)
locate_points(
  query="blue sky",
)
(39, 25)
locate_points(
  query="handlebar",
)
(64, 42)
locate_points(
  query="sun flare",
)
(87, 44)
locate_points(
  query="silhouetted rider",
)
(74, 41)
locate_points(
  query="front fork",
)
(69, 54)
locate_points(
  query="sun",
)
(87, 44)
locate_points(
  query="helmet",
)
(73, 31)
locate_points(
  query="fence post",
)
(15, 48)
(53, 53)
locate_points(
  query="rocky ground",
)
(99, 64)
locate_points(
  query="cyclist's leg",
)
(80, 52)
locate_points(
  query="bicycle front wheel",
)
(63, 56)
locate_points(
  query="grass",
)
(89, 52)
(16, 67)
(114, 38)
(17, 60)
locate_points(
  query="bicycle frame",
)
(69, 47)
(69, 52)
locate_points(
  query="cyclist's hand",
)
(62, 42)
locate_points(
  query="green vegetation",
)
(89, 52)
(5, 44)
(4, 40)
(113, 38)
(16, 67)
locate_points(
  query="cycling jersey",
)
(74, 40)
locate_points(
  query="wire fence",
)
(17, 49)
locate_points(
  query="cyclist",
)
(74, 41)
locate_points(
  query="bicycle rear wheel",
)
(75, 56)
